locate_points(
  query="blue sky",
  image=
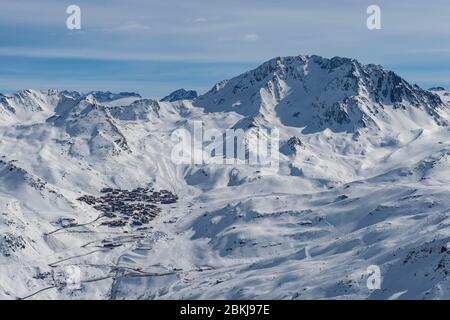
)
(154, 47)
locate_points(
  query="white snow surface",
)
(366, 183)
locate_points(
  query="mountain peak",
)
(107, 96)
(180, 94)
(437, 89)
(316, 93)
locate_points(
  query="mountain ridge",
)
(88, 183)
(342, 92)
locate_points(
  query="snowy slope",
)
(86, 181)
(315, 93)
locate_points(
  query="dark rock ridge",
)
(101, 96)
(437, 89)
(105, 96)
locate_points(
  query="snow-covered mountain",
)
(315, 93)
(89, 194)
(180, 94)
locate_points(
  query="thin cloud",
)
(107, 55)
(251, 37)
(133, 26)
(200, 20)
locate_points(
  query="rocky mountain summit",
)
(316, 93)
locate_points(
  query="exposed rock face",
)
(317, 93)
(180, 94)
